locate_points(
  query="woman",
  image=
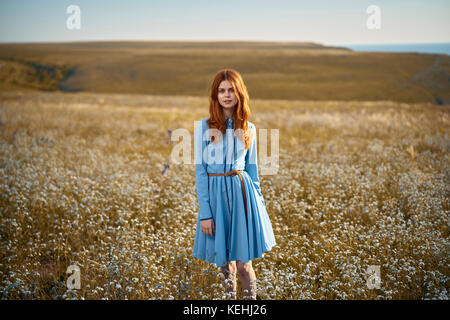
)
(233, 226)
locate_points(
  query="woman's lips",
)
(227, 101)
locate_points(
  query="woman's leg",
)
(248, 279)
(229, 272)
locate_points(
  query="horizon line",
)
(222, 40)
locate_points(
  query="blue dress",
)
(220, 198)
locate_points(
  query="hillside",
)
(272, 70)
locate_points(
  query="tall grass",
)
(82, 182)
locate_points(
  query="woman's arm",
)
(251, 163)
(201, 175)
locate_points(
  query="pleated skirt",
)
(236, 238)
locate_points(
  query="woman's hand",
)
(207, 227)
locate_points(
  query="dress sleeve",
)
(251, 164)
(201, 175)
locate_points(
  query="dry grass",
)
(81, 182)
(271, 70)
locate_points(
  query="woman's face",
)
(226, 95)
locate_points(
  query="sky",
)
(332, 22)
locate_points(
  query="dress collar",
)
(229, 122)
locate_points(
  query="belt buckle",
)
(233, 173)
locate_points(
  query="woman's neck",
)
(228, 114)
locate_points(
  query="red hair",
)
(241, 112)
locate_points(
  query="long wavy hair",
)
(241, 112)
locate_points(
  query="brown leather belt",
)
(231, 174)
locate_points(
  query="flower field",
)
(86, 179)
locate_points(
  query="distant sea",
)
(441, 48)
